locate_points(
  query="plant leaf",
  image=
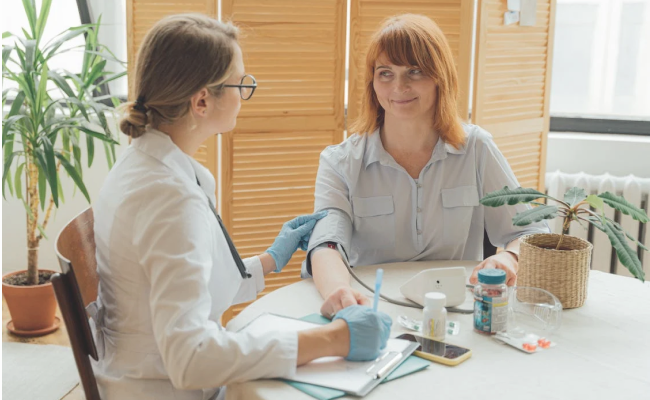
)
(595, 202)
(5, 172)
(535, 214)
(632, 238)
(62, 84)
(90, 145)
(512, 196)
(74, 175)
(626, 255)
(42, 19)
(575, 195)
(18, 181)
(624, 206)
(48, 149)
(30, 12)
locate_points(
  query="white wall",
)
(14, 220)
(596, 154)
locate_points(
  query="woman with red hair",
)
(406, 184)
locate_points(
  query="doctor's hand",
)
(369, 331)
(341, 298)
(293, 235)
(505, 261)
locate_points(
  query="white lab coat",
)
(166, 276)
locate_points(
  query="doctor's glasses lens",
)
(248, 86)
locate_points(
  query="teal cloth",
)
(410, 365)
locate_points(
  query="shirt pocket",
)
(374, 223)
(458, 207)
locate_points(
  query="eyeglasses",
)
(246, 87)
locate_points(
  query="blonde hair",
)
(179, 56)
(408, 40)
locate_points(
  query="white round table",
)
(602, 351)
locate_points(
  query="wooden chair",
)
(76, 287)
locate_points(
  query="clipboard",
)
(355, 378)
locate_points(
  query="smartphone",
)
(437, 351)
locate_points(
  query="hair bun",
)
(134, 123)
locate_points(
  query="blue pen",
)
(380, 276)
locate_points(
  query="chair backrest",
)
(76, 287)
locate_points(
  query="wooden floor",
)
(59, 337)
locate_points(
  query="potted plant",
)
(560, 263)
(53, 115)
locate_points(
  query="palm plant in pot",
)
(53, 115)
(560, 263)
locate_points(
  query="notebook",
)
(356, 378)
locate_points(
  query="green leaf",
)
(632, 238)
(6, 34)
(595, 202)
(622, 205)
(98, 135)
(58, 41)
(109, 156)
(575, 195)
(62, 84)
(18, 181)
(626, 255)
(58, 179)
(74, 175)
(48, 149)
(6, 52)
(9, 183)
(90, 145)
(30, 55)
(535, 214)
(512, 197)
(8, 124)
(30, 12)
(28, 210)
(17, 103)
(95, 73)
(42, 87)
(5, 172)
(42, 18)
(42, 185)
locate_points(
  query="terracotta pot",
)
(32, 308)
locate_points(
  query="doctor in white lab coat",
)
(167, 270)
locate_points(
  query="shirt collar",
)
(375, 150)
(160, 146)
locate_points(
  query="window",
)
(600, 60)
(65, 14)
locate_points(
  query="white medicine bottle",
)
(434, 315)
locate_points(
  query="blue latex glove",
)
(293, 235)
(369, 331)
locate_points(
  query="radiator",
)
(634, 189)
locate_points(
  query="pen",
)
(380, 276)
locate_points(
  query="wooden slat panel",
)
(266, 188)
(512, 84)
(296, 51)
(455, 18)
(141, 16)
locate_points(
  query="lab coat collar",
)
(375, 150)
(160, 146)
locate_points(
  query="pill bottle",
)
(434, 315)
(491, 302)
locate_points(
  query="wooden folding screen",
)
(512, 86)
(141, 15)
(455, 18)
(296, 51)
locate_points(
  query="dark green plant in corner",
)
(52, 114)
(576, 207)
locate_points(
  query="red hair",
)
(409, 40)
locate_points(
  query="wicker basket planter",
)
(562, 272)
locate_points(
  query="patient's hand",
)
(505, 261)
(341, 298)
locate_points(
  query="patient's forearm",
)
(328, 271)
